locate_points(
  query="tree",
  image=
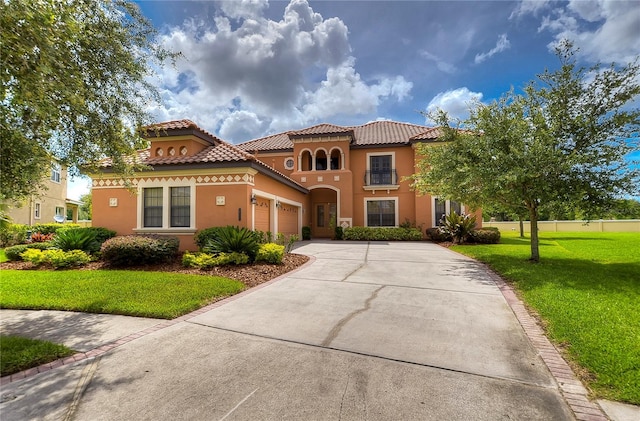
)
(562, 142)
(86, 208)
(74, 87)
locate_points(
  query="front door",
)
(324, 220)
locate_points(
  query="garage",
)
(288, 219)
(262, 215)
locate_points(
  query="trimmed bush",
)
(231, 239)
(306, 233)
(102, 234)
(59, 259)
(338, 232)
(51, 228)
(13, 234)
(270, 253)
(76, 239)
(207, 261)
(13, 253)
(136, 250)
(489, 235)
(438, 235)
(382, 234)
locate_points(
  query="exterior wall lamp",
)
(253, 199)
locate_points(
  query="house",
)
(49, 205)
(321, 177)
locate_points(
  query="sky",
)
(250, 68)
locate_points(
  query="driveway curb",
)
(572, 389)
(103, 349)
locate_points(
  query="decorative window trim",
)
(289, 163)
(56, 172)
(166, 205)
(378, 199)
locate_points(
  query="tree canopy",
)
(563, 141)
(75, 86)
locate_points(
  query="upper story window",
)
(380, 170)
(56, 171)
(36, 210)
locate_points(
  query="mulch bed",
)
(250, 275)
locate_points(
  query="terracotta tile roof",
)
(273, 142)
(374, 133)
(149, 131)
(320, 129)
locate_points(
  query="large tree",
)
(563, 141)
(75, 86)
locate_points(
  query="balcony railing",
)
(380, 178)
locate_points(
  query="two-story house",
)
(49, 205)
(321, 177)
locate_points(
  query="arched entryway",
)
(324, 212)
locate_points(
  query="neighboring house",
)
(321, 176)
(49, 205)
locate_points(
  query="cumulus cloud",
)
(455, 103)
(264, 73)
(603, 30)
(502, 45)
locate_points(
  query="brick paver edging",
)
(103, 349)
(571, 388)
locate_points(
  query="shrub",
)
(382, 234)
(202, 237)
(36, 237)
(233, 239)
(13, 234)
(134, 250)
(489, 235)
(51, 228)
(102, 234)
(207, 261)
(306, 233)
(458, 226)
(292, 240)
(57, 258)
(438, 235)
(338, 232)
(270, 253)
(76, 239)
(13, 253)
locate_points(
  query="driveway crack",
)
(338, 327)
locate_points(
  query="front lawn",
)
(163, 295)
(587, 291)
(17, 354)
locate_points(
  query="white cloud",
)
(264, 73)
(441, 64)
(527, 7)
(502, 45)
(455, 103)
(603, 30)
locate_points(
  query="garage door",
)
(288, 219)
(262, 215)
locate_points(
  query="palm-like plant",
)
(231, 239)
(76, 239)
(459, 227)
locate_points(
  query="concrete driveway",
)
(379, 331)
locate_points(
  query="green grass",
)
(17, 354)
(132, 293)
(587, 291)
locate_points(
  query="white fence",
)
(599, 225)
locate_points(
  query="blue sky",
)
(255, 67)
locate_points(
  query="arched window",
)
(335, 161)
(321, 160)
(306, 161)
